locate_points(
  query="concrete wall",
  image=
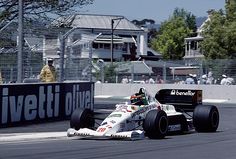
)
(209, 91)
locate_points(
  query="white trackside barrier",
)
(222, 93)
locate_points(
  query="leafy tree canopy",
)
(40, 9)
(220, 33)
(189, 18)
(143, 22)
(170, 38)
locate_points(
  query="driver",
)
(138, 99)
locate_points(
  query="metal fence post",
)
(20, 42)
(62, 53)
(90, 61)
(132, 72)
(164, 72)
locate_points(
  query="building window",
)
(106, 46)
(95, 45)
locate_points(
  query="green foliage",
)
(189, 18)
(170, 38)
(230, 8)
(220, 34)
(40, 9)
(110, 73)
(143, 22)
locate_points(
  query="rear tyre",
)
(82, 118)
(206, 118)
(155, 124)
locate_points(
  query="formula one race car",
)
(169, 111)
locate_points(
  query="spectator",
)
(159, 79)
(1, 81)
(151, 80)
(48, 72)
(179, 80)
(189, 79)
(230, 81)
(143, 80)
(194, 76)
(204, 79)
(210, 78)
(224, 80)
(125, 80)
(98, 81)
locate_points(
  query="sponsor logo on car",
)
(182, 93)
(174, 127)
(144, 109)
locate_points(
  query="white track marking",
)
(31, 136)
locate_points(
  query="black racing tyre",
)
(205, 118)
(155, 124)
(82, 118)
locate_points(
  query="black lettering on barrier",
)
(39, 102)
(78, 98)
(27, 106)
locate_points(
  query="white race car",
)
(149, 116)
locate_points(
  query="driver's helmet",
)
(138, 99)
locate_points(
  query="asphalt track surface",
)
(26, 142)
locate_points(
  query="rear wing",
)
(182, 99)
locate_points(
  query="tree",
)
(170, 38)
(214, 37)
(230, 8)
(220, 33)
(189, 18)
(40, 9)
(220, 39)
(109, 72)
(143, 22)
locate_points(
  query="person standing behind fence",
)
(224, 80)
(1, 82)
(48, 72)
(125, 80)
(189, 79)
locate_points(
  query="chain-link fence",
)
(80, 62)
(32, 64)
(41, 43)
(202, 72)
(205, 72)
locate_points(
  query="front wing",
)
(88, 133)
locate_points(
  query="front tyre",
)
(155, 124)
(205, 118)
(82, 118)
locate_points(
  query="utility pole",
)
(20, 42)
(112, 33)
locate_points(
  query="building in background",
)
(193, 52)
(129, 40)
